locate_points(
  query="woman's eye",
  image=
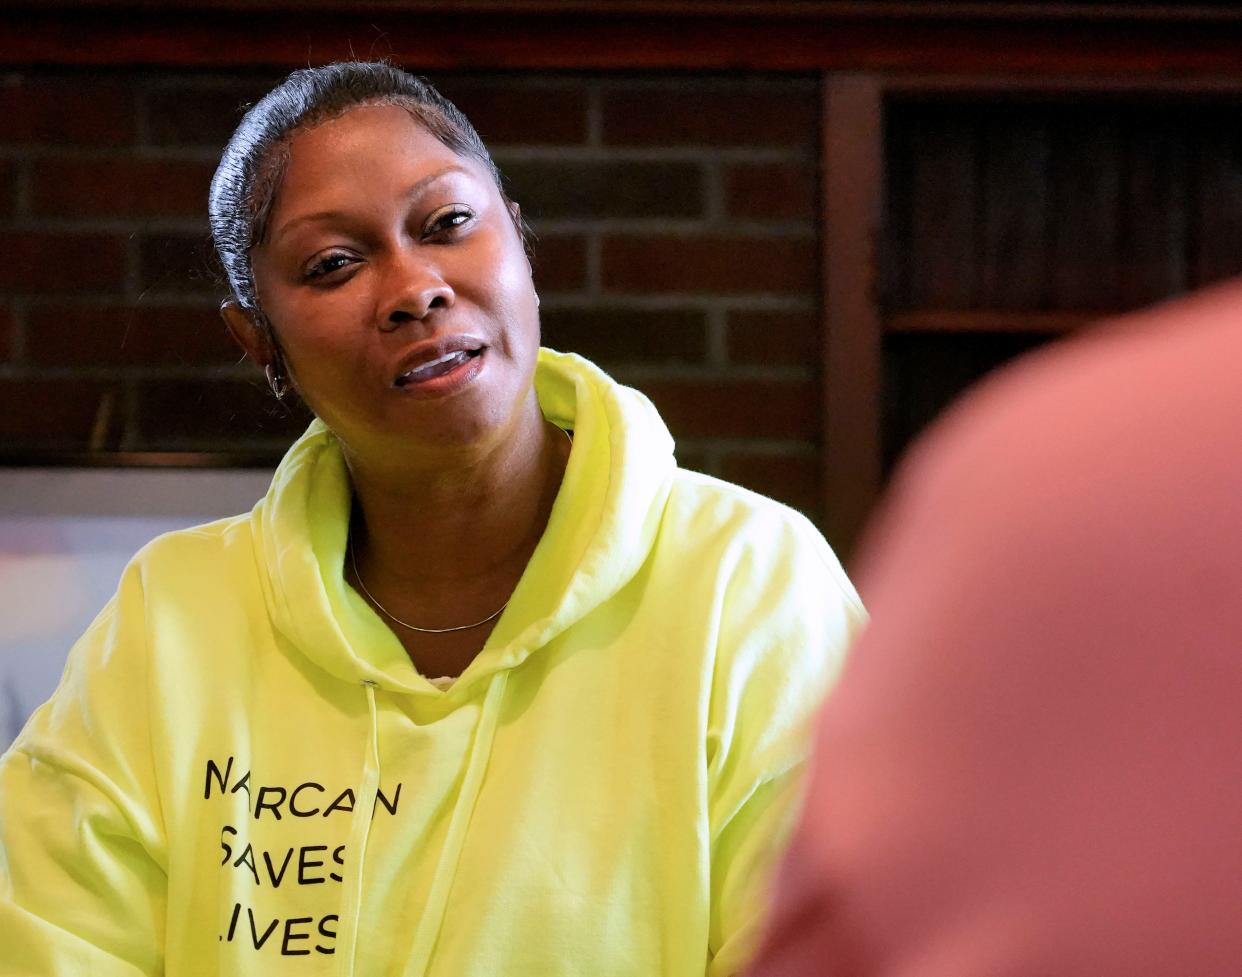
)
(448, 221)
(326, 265)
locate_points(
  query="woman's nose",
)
(415, 291)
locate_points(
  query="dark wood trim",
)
(852, 160)
(1013, 10)
(534, 37)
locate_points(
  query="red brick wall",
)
(677, 248)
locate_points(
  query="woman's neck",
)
(442, 547)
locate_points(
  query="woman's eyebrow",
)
(414, 192)
(419, 188)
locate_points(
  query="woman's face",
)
(396, 283)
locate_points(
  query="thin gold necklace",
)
(414, 627)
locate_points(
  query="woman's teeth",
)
(436, 368)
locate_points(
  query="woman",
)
(484, 684)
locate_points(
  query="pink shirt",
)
(1033, 764)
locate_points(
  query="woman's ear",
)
(515, 215)
(250, 335)
(515, 211)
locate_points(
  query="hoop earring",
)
(276, 380)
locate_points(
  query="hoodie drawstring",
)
(428, 930)
(359, 835)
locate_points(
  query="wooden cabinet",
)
(1004, 212)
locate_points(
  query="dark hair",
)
(254, 161)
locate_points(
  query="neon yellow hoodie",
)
(241, 773)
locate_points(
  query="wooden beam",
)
(986, 10)
(852, 160)
(535, 37)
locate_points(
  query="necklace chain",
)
(414, 627)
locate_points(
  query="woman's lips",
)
(434, 368)
(442, 375)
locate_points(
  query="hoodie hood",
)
(600, 531)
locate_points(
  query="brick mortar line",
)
(678, 227)
(715, 208)
(22, 193)
(77, 300)
(560, 300)
(130, 433)
(760, 82)
(712, 458)
(245, 79)
(717, 337)
(645, 226)
(604, 153)
(463, 79)
(17, 354)
(152, 296)
(793, 302)
(594, 266)
(253, 444)
(133, 270)
(156, 81)
(148, 227)
(145, 152)
(110, 299)
(267, 451)
(594, 117)
(783, 447)
(129, 373)
(703, 302)
(588, 152)
(585, 152)
(142, 118)
(620, 78)
(638, 372)
(757, 301)
(537, 80)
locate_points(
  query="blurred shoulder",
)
(1134, 425)
(1108, 398)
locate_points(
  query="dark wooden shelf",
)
(988, 320)
(1027, 39)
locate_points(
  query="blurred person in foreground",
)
(486, 684)
(1031, 765)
